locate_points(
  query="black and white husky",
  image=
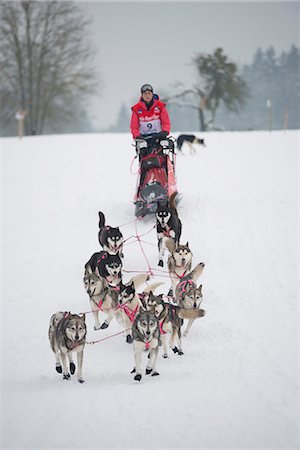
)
(188, 295)
(110, 238)
(146, 337)
(67, 333)
(107, 266)
(170, 321)
(189, 139)
(168, 225)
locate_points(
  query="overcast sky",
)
(153, 42)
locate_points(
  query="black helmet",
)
(146, 87)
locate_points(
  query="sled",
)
(156, 176)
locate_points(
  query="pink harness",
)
(160, 327)
(131, 313)
(182, 285)
(100, 304)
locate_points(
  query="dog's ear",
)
(83, 316)
(97, 272)
(187, 245)
(200, 288)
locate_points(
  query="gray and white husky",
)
(170, 321)
(179, 262)
(130, 303)
(100, 300)
(146, 337)
(104, 297)
(67, 333)
(188, 295)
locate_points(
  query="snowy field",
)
(236, 385)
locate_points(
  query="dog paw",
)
(138, 377)
(58, 368)
(165, 355)
(175, 349)
(129, 339)
(154, 374)
(180, 352)
(148, 371)
(104, 325)
(97, 327)
(80, 380)
(72, 368)
(170, 293)
(133, 370)
(67, 377)
(161, 263)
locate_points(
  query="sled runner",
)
(156, 177)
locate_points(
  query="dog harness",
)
(131, 313)
(161, 327)
(182, 286)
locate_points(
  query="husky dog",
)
(130, 303)
(67, 333)
(104, 297)
(179, 262)
(170, 320)
(168, 225)
(98, 290)
(188, 295)
(110, 238)
(189, 139)
(146, 336)
(107, 266)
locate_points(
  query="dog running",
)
(188, 295)
(146, 337)
(67, 333)
(179, 262)
(110, 238)
(189, 139)
(168, 225)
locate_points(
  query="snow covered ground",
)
(236, 385)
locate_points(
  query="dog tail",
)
(190, 313)
(197, 271)
(153, 286)
(172, 202)
(101, 220)
(170, 244)
(140, 279)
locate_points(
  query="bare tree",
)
(46, 62)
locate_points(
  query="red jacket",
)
(154, 120)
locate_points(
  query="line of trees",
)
(46, 65)
(48, 74)
(267, 96)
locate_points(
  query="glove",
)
(163, 134)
